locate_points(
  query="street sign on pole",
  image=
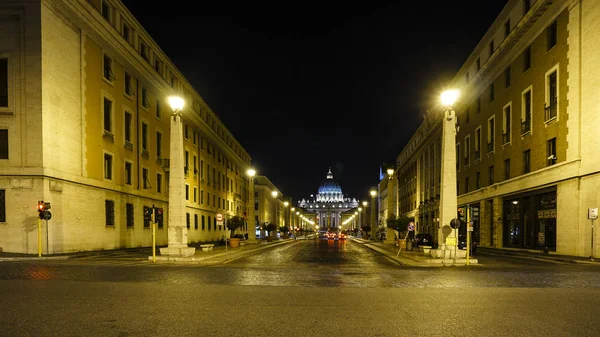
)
(411, 226)
(219, 219)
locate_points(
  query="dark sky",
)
(307, 86)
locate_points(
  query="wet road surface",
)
(304, 288)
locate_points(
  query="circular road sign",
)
(411, 226)
(219, 217)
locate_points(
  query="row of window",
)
(110, 14)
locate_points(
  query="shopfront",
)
(529, 220)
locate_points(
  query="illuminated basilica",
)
(329, 204)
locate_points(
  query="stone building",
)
(268, 209)
(527, 143)
(329, 205)
(85, 125)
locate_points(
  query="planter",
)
(234, 242)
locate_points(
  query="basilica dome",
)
(330, 186)
(330, 191)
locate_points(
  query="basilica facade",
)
(329, 204)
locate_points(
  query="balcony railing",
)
(551, 111)
(525, 126)
(505, 138)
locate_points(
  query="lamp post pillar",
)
(176, 227)
(448, 203)
(252, 222)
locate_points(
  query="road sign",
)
(411, 226)
(219, 217)
(592, 213)
(470, 226)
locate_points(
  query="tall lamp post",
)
(252, 230)
(448, 203)
(391, 206)
(177, 229)
(274, 194)
(373, 217)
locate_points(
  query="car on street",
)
(423, 239)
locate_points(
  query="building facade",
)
(268, 209)
(527, 137)
(330, 206)
(85, 125)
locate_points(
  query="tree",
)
(271, 227)
(234, 223)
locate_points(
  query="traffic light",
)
(147, 213)
(43, 210)
(158, 215)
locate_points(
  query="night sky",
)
(307, 86)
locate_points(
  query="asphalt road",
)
(304, 288)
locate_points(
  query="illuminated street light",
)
(373, 218)
(252, 230)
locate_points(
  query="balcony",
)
(525, 127)
(506, 138)
(551, 111)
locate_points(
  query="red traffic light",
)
(40, 206)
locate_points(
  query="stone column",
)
(448, 203)
(177, 230)
(252, 222)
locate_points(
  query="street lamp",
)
(251, 233)
(177, 235)
(448, 203)
(274, 194)
(373, 193)
(391, 205)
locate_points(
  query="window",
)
(207, 199)
(127, 128)
(467, 115)
(158, 109)
(147, 222)
(108, 169)
(195, 221)
(126, 31)
(551, 151)
(159, 179)
(186, 168)
(478, 144)
(187, 220)
(506, 120)
(144, 136)
(478, 64)
(551, 32)
(195, 194)
(492, 92)
(128, 172)
(551, 105)
(158, 144)
(128, 86)
(491, 47)
(467, 185)
(195, 138)
(3, 144)
(186, 132)
(467, 77)
(108, 115)
(202, 197)
(526, 6)
(490, 134)
(526, 112)
(527, 58)
(478, 104)
(458, 156)
(107, 72)
(144, 51)
(187, 192)
(491, 175)
(208, 223)
(477, 180)
(195, 165)
(106, 11)
(506, 28)
(3, 83)
(2, 206)
(157, 65)
(145, 101)
(129, 216)
(202, 169)
(526, 161)
(506, 169)
(467, 150)
(146, 184)
(172, 81)
(507, 77)
(203, 224)
(109, 211)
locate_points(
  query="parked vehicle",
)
(423, 239)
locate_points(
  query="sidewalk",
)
(412, 258)
(218, 254)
